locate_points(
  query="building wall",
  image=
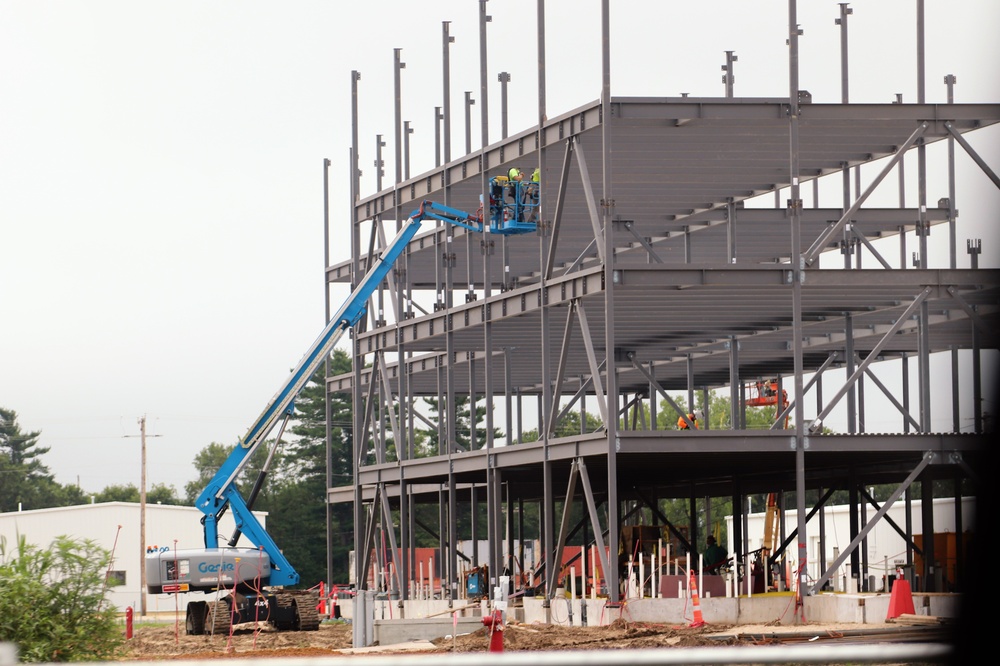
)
(115, 526)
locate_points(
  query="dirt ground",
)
(168, 641)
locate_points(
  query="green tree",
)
(52, 603)
(24, 481)
(463, 427)
(210, 459)
(717, 413)
(298, 511)
(160, 493)
(567, 426)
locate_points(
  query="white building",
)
(116, 526)
(886, 547)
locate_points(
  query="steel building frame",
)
(650, 274)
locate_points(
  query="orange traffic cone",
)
(901, 599)
(698, 619)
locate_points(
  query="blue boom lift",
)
(257, 579)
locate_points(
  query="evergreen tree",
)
(298, 512)
(428, 443)
(24, 481)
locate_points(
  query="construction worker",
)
(714, 556)
(516, 192)
(531, 195)
(682, 424)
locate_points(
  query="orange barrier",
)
(901, 599)
(698, 619)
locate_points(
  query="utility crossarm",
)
(221, 492)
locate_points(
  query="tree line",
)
(295, 493)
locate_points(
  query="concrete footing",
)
(430, 619)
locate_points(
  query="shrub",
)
(52, 602)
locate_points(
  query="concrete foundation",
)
(430, 619)
(391, 632)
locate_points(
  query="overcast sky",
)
(161, 192)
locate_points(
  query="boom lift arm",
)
(222, 492)
(255, 578)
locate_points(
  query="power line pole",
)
(142, 519)
(142, 515)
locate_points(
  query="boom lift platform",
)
(255, 579)
(764, 393)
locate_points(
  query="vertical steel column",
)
(404, 438)
(852, 403)
(469, 102)
(356, 398)
(449, 411)
(901, 172)
(731, 230)
(484, 99)
(729, 78)
(846, 245)
(440, 250)
(607, 205)
(689, 366)
(407, 131)
(494, 508)
(547, 517)
(474, 523)
(438, 117)
(447, 40)
(822, 529)
(470, 295)
(705, 401)
(863, 518)
(929, 575)
(950, 81)
(328, 436)
(443, 506)
(956, 423)
(959, 534)
(398, 65)
(905, 374)
(845, 11)
(908, 501)
(735, 410)
(855, 527)
(974, 249)
(842, 22)
(924, 230)
(504, 78)
(797, 275)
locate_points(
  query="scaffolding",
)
(659, 267)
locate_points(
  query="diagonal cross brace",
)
(921, 297)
